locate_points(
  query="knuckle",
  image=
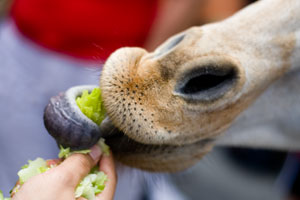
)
(70, 175)
(82, 162)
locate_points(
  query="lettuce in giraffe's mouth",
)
(91, 105)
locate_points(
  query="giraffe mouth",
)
(155, 157)
(122, 144)
(71, 128)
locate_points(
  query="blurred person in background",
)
(50, 45)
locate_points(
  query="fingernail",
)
(95, 153)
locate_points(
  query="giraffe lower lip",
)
(121, 144)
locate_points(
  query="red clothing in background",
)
(85, 28)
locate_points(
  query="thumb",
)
(77, 166)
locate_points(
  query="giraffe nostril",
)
(206, 83)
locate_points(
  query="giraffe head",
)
(170, 105)
(167, 108)
(172, 102)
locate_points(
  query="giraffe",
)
(233, 82)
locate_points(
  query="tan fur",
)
(138, 87)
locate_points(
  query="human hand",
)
(60, 182)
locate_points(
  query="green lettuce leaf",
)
(91, 105)
(91, 185)
(33, 168)
(104, 147)
(66, 152)
(2, 197)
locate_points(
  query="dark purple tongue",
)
(67, 124)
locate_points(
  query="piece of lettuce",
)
(104, 147)
(66, 152)
(33, 168)
(91, 185)
(91, 105)
(2, 197)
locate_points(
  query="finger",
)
(72, 170)
(107, 165)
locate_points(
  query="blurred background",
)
(47, 46)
